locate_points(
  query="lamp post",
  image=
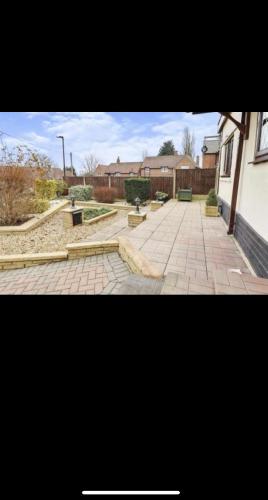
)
(138, 202)
(63, 151)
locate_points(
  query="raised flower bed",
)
(92, 215)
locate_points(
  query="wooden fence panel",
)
(163, 184)
(119, 184)
(201, 181)
(74, 181)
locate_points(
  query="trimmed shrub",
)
(105, 194)
(46, 189)
(15, 195)
(212, 199)
(40, 205)
(161, 196)
(92, 213)
(61, 188)
(81, 193)
(137, 188)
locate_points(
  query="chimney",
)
(197, 161)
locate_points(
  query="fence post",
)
(174, 183)
(109, 177)
(84, 181)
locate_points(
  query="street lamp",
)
(63, 150)
(138, 202)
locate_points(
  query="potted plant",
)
(185, 194)
(159, 196)
(212, 204)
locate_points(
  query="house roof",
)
(213, 144)
(171, 161)
(122, 168)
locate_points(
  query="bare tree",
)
(23, 156)
(89, 166)
(188, 143)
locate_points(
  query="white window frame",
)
(147, 171)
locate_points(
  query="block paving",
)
(93, 275)
(194, 253)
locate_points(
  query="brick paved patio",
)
(179, 238)
(95, 275)
(193, 251)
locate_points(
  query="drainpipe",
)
(174, 183)
(237, 176)
(217, 186)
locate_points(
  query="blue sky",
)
(106, 135)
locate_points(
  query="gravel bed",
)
(51, 236)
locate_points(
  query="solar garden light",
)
(138, 202)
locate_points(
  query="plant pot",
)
(212, 211)
(185, 195)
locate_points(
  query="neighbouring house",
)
(243, 182)
(163, 166)
(152, 166)
(119, 169)
(211, 151)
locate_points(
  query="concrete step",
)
(230, 282)
(139, 285)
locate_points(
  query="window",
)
(185, 167)
(164, 170)
(147, 171)
(117, 174)
(228, 157)
(131, 174)
(262, 137)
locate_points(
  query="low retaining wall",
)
(100, 217)
(137, 262)
(78, 250)
(29, 260)
(35, 222)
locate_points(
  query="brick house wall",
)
(210, 160)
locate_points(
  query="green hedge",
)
(40, 205)
(81, 193)
(137, 188)
(46, 189)
(61, 187)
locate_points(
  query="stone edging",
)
(99, 218)
(78, 250)
(95, 204)
(33, 223)
(29, 260)
(137, 262)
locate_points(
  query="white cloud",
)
(38, 139)
(106, 136)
